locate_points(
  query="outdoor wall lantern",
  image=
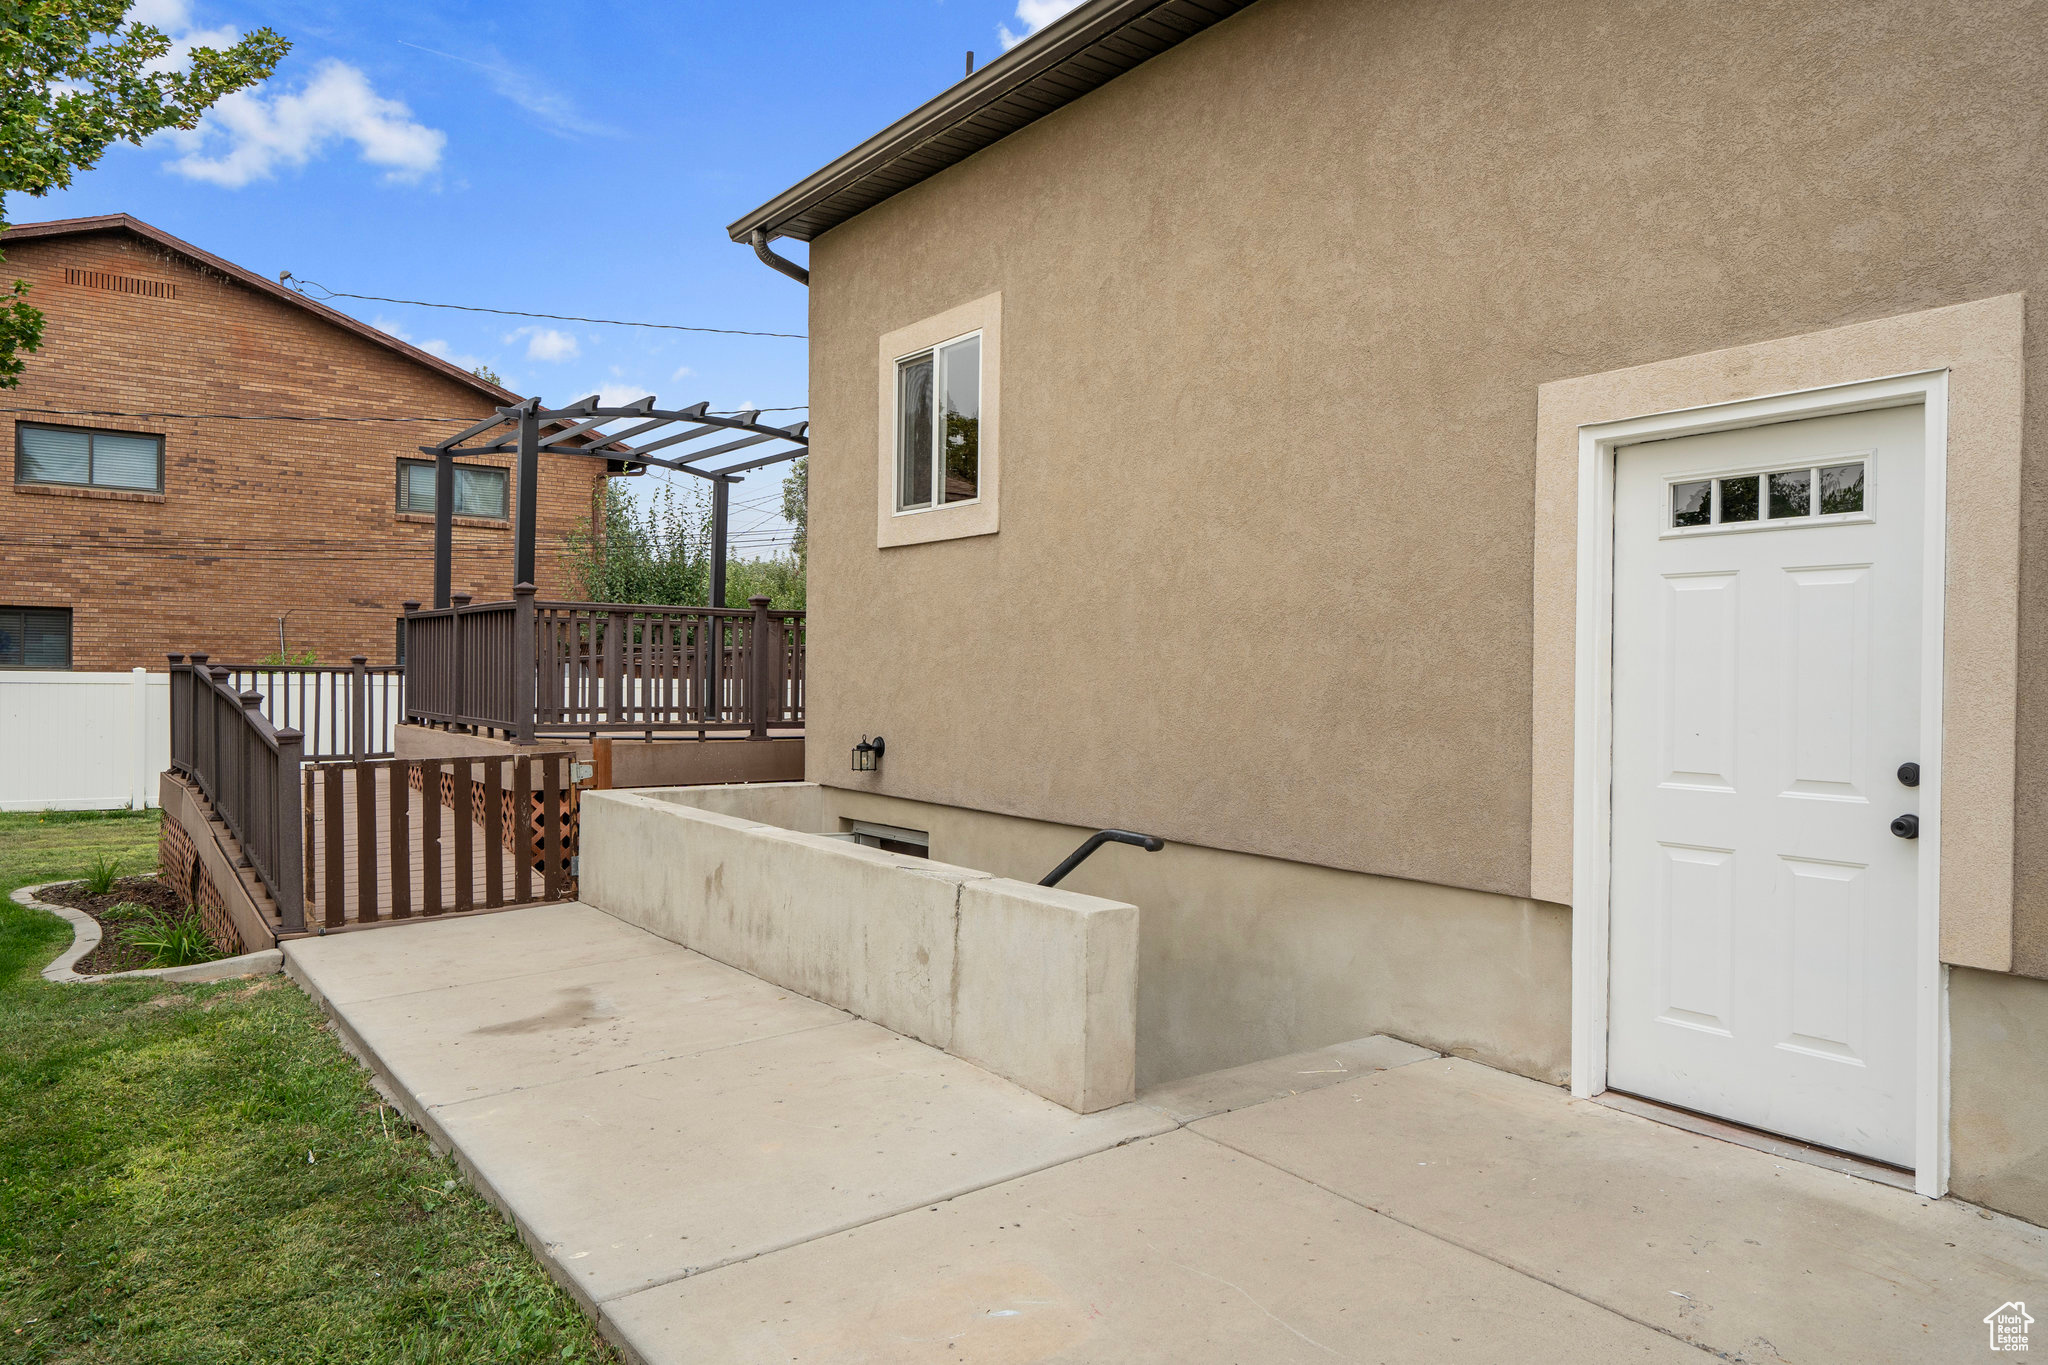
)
(867, 754)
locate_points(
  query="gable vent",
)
(120, 284)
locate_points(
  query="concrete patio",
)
(725, 1171)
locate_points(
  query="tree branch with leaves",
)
(74, 80)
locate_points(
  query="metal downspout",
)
(759, 239)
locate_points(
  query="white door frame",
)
(1593, 728)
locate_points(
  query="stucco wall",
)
(1276, 307)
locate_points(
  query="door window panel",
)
(1692, 504)
(1841, 489)
(1791, 493)
(1740, 498)
(1783, 495)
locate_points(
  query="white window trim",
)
(953, 520)
(938, 432)
(1594, 727)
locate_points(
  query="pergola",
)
(573, 430)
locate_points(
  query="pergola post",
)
(721, 489)
(529, 495)
(444, 526)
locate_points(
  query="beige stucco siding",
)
(1276, 306)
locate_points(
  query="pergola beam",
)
(582, 419)
(764, 461)
(571, 433)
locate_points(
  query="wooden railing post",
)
(245, 787)
(195, 680)
(406, 655)
(359, 705)
(217, 678)
(757, 674)
(610, 698)
(181, 726)
(525, 664)
(287, 853)
(457, 709)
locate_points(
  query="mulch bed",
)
(114, 954)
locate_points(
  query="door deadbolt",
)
(1907, 826)
(1909, 774)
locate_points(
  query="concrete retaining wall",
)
(1037, 985)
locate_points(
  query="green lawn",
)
(200, 1174)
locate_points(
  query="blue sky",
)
(547, 157)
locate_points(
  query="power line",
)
(292, 281)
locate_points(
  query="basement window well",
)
(890, 838)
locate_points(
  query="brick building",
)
(129, 533)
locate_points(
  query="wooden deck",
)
(380, 848)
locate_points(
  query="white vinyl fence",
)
(327, 705)
(82, 741)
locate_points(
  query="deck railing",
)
(534, 669)
(398, 838)
(343, 712)
(247, 769)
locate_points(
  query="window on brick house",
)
(77, 458)
(35, 637)
(480, 490)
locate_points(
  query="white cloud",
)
(682, 372)
(248, 135)
(168, 15)
(435, 346)
(532, 91)
(1036, 14)
(545, 343)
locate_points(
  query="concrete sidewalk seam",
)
(1484, 1255)
(946, 1197)
(1170, 1124)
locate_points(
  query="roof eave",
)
(1072, 36)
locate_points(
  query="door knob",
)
(1909, 774)
(1907, 826)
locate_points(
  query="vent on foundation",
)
(120, 284)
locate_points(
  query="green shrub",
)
(101, 874)
(175, 940)
(659, 553)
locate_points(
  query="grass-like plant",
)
(173, 940)
(122, 912)
(101, 874)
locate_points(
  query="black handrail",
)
(1151, 843)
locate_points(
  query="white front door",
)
(1766, 691)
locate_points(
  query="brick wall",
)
(256, 518)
